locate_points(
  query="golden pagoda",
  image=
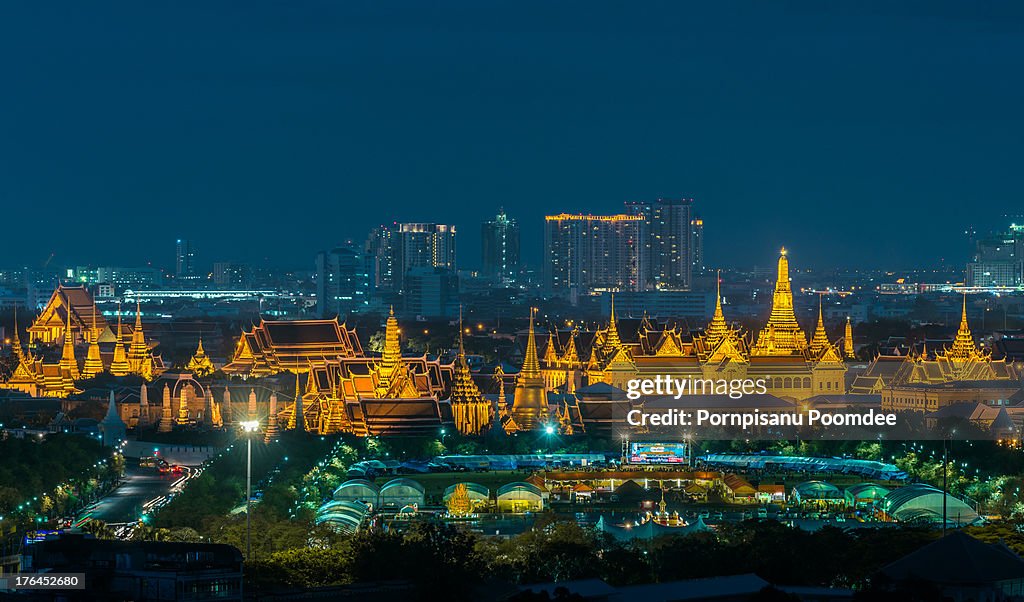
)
(119, 366)
(721, 345)
(392, 375)
(718, 328)
(612, 342)
(39, 379)
(271, 433)
(93, 361)
(782, 336)
(530, 401)
(611, 360)
(200, 364)
(297, 417)
(139, 360)
(819, 341)
(471, 412)
(848, 340)
(67, 359)
(964, 348)
(166, 417)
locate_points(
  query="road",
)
(141, 490)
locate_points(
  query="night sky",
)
(870, 135)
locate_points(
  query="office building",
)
(666, 233)
(697, 243)
(230, 274)
(586, 253)
(184, 265)
(500, 247)
(395, 250)
(998, 259)
(342, 281)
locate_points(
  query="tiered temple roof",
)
(278, 346)
(782, 335)
(50, 325)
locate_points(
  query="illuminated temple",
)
(71, 318)
(960, 362)
(794, 368)
(341, 389)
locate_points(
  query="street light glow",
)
(250, 426)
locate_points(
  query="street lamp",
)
(250, 427)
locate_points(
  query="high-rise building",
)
(426, 246)
(380, 253)
(342, 281)
(394, 250)
(697, 243)
(584, 253)
(666, 242)
(998, 259)
(184, 266)
(231, 274)
(430, 292)
(500, 247)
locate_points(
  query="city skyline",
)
(782, 123)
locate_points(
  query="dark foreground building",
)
(138, 570)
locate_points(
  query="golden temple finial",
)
(16, 340)
(119, 366)
(298, 419)
(718, 327)
(963, 348)
(392, 355)
(530, 402)
(819, 342)
(531, 365)
(93, 361)
(782, 334)
(200, 363)
(470, 411)
(612, 342)
(848, 340)
(550, 353)
(67, 359)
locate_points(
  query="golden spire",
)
(119, 365)
(530, 402)
(718, 328)
(298, 418)
(200, 364)
(612, 342)
(963, 345)
(93, 361)
(137, 350)
(570, 356)
(67, 359)
(550, 355)
(392, 355)
(782, 334)
(819, 342)
(469, 409)
(16, 340)
(531, 366)
(848, 340)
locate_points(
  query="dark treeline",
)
(440, 559)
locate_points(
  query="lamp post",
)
(250, 427)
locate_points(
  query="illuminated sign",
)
(657, 453)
